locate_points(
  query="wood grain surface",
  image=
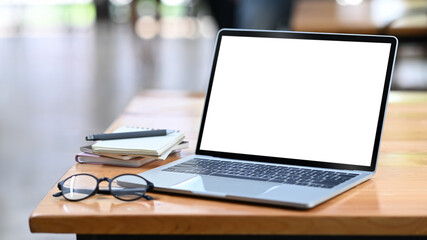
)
(393, 202)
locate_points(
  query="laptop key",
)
(239, 177)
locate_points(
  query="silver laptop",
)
(290, 118)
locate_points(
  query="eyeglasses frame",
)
(150, 186)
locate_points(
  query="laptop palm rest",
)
(214, 186)
(239, 190)
(226, 186)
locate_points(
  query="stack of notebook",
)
(132, 152)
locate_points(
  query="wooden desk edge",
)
(236, 225)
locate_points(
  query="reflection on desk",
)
(106, 205)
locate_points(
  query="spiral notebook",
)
(153, 146)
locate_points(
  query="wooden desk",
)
(394, 202)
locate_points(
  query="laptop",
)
(290, 118)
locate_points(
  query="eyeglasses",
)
(126, 187)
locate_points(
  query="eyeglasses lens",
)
(128, 187)
(79, 187)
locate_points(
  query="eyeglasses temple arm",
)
(101, 191)
(76, 190)
(150, 185)
(148, 197)
(58, 194)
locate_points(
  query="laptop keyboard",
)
(262, 172)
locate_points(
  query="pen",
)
(123, 135)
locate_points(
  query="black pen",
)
(123, 135)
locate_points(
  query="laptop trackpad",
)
(226, 186)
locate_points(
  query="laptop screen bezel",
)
(303, 35)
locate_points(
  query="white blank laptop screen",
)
(316, 100)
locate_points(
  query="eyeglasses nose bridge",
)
(104, 179)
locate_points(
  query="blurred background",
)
(69, 67)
